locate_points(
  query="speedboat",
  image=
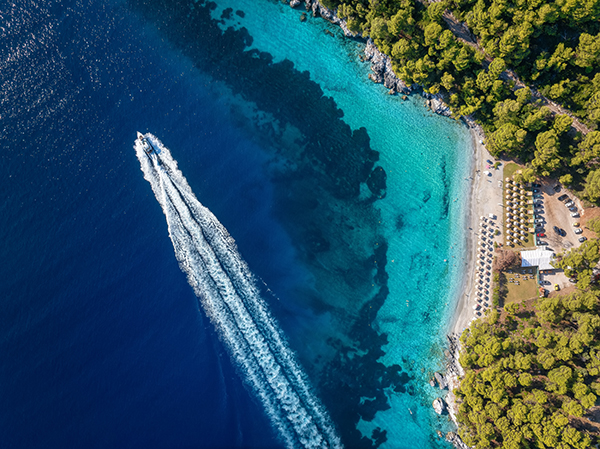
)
(150, 151)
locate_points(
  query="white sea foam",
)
(228, 293)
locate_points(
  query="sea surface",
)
(347, 204)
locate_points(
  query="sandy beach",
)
(485, 199)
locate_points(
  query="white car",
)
(578, 230)
(569, 204)
(575, 215)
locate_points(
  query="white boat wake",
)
(227, 291)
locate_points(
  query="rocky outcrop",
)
(453, 438)
(439, 405)
(437, 105)
(320, 10)
(441, 381)
(381, 66)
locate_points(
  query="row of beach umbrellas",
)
(485, 251)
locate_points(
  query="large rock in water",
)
(295, 3)
(443, 383)
(439, 405)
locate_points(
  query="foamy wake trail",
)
(227, 291)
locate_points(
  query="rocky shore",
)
(450, 380)
(381, 64)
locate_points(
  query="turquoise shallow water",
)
(339, 197)
(422, 217)
(368, 320)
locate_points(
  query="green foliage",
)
(547, 158)
(566, 180)
(508, 138)
(588, 150)
(592, 186)
(545, 374)
(594, 225)
(562, 124)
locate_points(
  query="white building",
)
(540, 258)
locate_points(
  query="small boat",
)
(150, 151)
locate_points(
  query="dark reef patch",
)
(446, 191)
(399, 222)
(344, 155)
(240, 13)
(226, 14)
(377, 182)
(356, 372)
(426, 196)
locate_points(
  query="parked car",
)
(562, 232)
(556, 229)
(540, 243)
(570, 204)
(556, 287)
(536, 186)
(537, 195)
(539, 220)
(563, 197)
(556, 188)
(536, 190)
(575, 215)
(578, 230)
(573, 209)
(582, 239)
(541, 234)
(576, 224)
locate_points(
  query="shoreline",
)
(481, 202)
(485, 197)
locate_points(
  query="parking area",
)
(552, 213)
(551, 278)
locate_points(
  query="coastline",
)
(485, 197)
(481, 203)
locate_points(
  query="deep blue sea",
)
(347, 204)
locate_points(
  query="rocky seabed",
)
(382, 72)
